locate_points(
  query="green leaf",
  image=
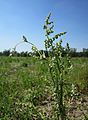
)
(62, 33)
(49, 16)
(24, 39)
(44, 27)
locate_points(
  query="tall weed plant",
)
(58, 65)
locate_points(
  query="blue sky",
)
(26, 17)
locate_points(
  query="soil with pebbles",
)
(77, 108)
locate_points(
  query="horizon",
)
(18, 18)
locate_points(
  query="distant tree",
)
(6, 52)
(73, 49)
(85, 52)
(85, 49)
(22, 54)
(1, 53)
(73, 52)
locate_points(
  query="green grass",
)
(79, 73)
(26, 91)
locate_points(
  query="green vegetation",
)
(52, 87)
(26, 90)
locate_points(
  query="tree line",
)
(73, 53)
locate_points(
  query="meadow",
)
(26, 90)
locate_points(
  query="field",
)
(26, 90)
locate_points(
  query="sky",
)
(27, 17)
